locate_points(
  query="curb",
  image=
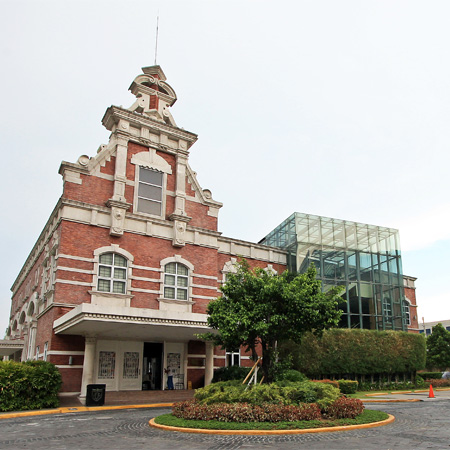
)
(391, 400)
(76, 409)
(382, 423)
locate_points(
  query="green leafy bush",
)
(348, 386)
(344, 408)
(285, 392)
(292, 375)
(344, 353)
(430, 375)
(28, 385)
(230, 373)
(244, 412)
(326, 394)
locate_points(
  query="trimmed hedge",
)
(430, 375)
(348, 386)
(345, 353)
(245, 412)
(438, 383)
(284, 392)
(28, 385)
(342, 408)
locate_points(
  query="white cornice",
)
(113, 114)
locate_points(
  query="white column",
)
(88, 365)
(209, 363)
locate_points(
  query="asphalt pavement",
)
(418, 425)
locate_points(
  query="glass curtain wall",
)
(364, 258)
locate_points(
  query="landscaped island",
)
(283, 405)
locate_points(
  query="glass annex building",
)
(363, 258)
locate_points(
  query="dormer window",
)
(150, 191)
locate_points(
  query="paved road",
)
(422, 425)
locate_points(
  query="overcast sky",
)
(336, 108)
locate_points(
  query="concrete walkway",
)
(113, 398)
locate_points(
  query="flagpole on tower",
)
(157, 29)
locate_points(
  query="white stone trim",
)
(151, 269)
(148, 291)
(150, 280)
(78, 283)
(67, 366)
(201, 286)
(66, 352)
(74, 269)
(207, 277)
(204, 297)
(75, 258)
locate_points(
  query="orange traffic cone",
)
(431, 394)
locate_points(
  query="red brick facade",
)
(98, 210)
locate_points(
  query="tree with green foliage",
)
(438, 348)
(259, 309)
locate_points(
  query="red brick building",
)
(116, 287)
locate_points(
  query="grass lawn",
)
(368, 416)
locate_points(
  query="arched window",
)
(176, 281)
(112, 273)
(22, 318)
(406, 312)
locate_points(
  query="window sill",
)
(110, 294)
(173, 300)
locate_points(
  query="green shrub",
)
(344, 408)
(264, 393)
(348, 386)
(230, 373)
(296, 393)
(430, 375)
(326, 394)
(342, 352)
(285, 392)
(292, 375)
(28, 385)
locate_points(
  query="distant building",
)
(427, 327)
(116, 288)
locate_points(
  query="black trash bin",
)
(95, 394)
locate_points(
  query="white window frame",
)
(150, 160)
(45, 351)
(406, 307)
(176, 276)
(184, 262)
(230, 357)
(113, 248)
(112, 279)
(387, 309)
(37, 353)
(162, 187)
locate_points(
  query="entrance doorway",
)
(152, 371)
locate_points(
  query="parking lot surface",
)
(421, 425)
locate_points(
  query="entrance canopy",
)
(9, 347)
(131, 323)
